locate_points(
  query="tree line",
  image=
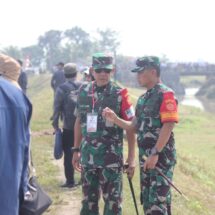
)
(77, 45)
(73, 44)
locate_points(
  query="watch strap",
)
(75, 149)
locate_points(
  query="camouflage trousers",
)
(107, 181)
(155, 192)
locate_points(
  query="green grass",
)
(194, 172)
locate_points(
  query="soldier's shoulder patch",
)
(170, 106)
(168, 98)
(130, 113)
(168, 109)
(123, 92)
(127, 110)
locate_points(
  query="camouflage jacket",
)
(103, 148)
(149, 123)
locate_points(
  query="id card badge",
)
(92, 119)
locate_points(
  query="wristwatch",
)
(75, 149)
(154, 151)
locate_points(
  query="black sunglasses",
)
(103, 70)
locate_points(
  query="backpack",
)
(70, 100)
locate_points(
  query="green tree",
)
(35, 53)
(66, 53)
(123, 72)
(78, 41)
(108, 40)
(13, 51)
(164, 58)
(50, 42)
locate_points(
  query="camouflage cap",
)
(102, 61)
(70, 68)
(146, 62)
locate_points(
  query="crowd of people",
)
(94, 112)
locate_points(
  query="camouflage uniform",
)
(156, 107)
(102, 151)
(155, 190)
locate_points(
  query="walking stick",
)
(168, 180)
(132, 191)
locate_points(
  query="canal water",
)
(191, 100)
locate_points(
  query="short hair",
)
(70, 75)
(60, 64)
(158, 71)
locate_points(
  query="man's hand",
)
(55, 130)
(130, 171)
(76, 161)
(130, 168)
(150, 162)
(109, 115)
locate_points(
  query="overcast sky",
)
(183, 30)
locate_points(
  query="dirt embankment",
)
(71, 203)
(208, 89)
(70, 198)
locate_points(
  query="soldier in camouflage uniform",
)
(99, 143)
(155, 116)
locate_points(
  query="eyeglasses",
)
(103, 70)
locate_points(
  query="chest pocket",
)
(84, 107)
(151, 111)
(151, 107)
(112, 102)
